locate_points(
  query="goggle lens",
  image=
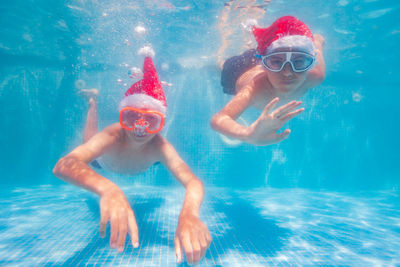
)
(153, 120)
(130, 118)
(298, 60)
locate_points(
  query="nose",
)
(141, 122)
(287, 70)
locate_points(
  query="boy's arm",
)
(224, 120)
(192, 235)
(263, 131)
(317, 74)
(74, 167)
(114, 206)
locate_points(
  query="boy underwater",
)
(130, 147)
(291, 64)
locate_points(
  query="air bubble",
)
(140, 30)
(135, 72)
(357, 97)
(165, 66)
(80, 84)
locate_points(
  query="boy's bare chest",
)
(127, 161)
(265, 94)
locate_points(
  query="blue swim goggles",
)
(299, 61)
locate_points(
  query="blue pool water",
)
(48, 225)
(328, 195)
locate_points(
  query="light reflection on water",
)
(59, 225)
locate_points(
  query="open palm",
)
(264, 130)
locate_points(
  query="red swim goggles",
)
(141, 120)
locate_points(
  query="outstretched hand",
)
(114, 207)
(264, 130)
(192, 237)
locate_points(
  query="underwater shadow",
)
(249, 231)
(148, 234)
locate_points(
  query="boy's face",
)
(140, 138)
(279, 66)
(141, 124)
(286, 80)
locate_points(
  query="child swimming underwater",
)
(131, 146)
(291, 64)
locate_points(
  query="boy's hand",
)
(114, 207)
(263, 131)
(193, 236)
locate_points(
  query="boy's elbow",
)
(321, 76)
(199, 183)
(62, 165)
(57, 170)
(214, 122)
(196, 183)
(317, 77)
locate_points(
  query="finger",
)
(187, 246)
(208, 237)
(281, 111)
(288, 108)
(282, 136)
(196, 249)
(114, 231)
(270, 106)
(103, 223)
(291, 115)
(133, 230)
(203, 244)
(123, 229)
(178, 250)
(203, 240)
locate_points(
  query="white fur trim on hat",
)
(142, 101)
(146, 51)
(299, 43)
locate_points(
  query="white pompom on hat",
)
(146, 51)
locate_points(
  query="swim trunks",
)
(96, 164)
(234, 67)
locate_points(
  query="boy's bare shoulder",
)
(314, 78)
(114, 130)
(159, 141)
(261, 86)
(250, 76)
(260, 80)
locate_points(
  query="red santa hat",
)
(146, 93)
(288, 32)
